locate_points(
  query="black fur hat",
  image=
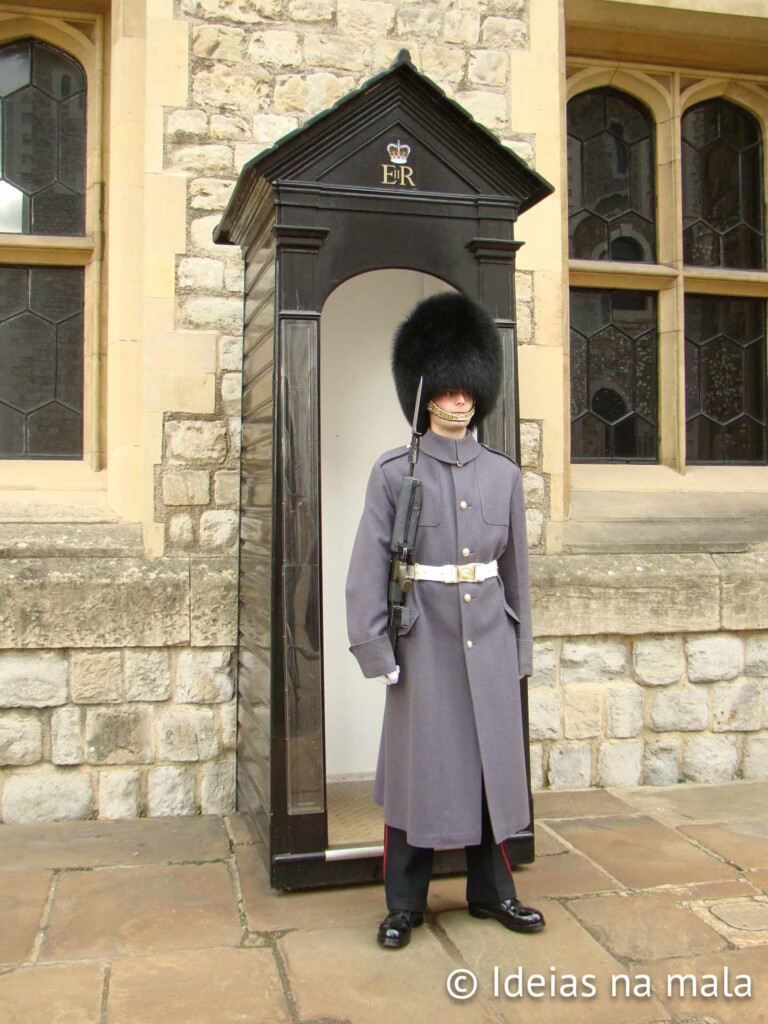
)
(453, 342)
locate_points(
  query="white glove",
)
(391, 677)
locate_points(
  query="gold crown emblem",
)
(398, 152)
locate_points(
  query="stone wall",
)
(649, 710)
(116, 733)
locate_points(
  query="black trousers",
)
(408, 869)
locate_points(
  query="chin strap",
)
(451, 417)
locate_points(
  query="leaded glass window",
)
(42, 140)
(41, 362)
(722, 187)
(725, 379)
(611, 194)
(614, 377)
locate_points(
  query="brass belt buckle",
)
(467, 573)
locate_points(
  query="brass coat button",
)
(462, 505)
(467, 598)
(469, 643)
(465, 552)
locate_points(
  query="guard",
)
(451, 768)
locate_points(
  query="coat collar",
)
(445, 449)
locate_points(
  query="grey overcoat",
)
(454, 718)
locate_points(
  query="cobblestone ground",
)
(656, 903)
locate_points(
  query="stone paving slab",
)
(758, 878)
(341, 974)
(654, 925)
(546, 842)
(743, 843)
(22, 901)
(705, 802)
(119, 911)
(722, 1008)
(215, 986)
(641, 852)
(57, 994)
(88, 844)
(582, 803)
(564, 945)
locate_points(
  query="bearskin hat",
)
(452, 342)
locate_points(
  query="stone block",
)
(755, 764)
(757, 656)
(199, 272)
(445, 64)
(212, 312)
(96, 677)
(228, 725)
(309, 94)
(418, 22)
(233, 127)
(570, 766)
(213, 604)
(231, 391)
(181, 531)
(267, 129)
(488, 67)
(217, 42)
(278, 47)
(583, 712)
(232, 10)
(620, 763)
(537, 766)
(661, 762)
(190, 441)
(744, 584)
(170, 791)
(526, 150)
(217, 788)
(118, 793)
(209, 159)
(595, 595)
(233, 278)
(230, 355)
(187, 734)
(364, 19)
(311, 10)
(67, 736)
(658, 661)
(533, 484)
(625, 711)
(204, 676)
(713, 658)
(545, 661)
(592, 661)
(219, 529)
(335, 52)
(544, 715)
(530, 443)
(505, 32)
(226, 487)
(186, 487)
(21, 737)
(679, 710)
(710, 758)
(147, 674)
(31, 679)
(185, 125)
(118, 735)
(209, 194)
(224, 89)
(534, 525)
(93, 602)
(462, 26)
(38, 795)
(737, 706)
(488, 108)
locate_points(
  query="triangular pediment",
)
(398, 132)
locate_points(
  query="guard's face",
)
(454, 401)
(450, 412)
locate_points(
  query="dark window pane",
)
(611, 196)
(725, 386)
(722, 187)
(614, 375)
(42, 140)
(41, 362)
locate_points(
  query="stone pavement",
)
(171, 921)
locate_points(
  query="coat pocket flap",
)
(413, 614)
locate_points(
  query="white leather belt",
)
(473, 572)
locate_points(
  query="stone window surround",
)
(86, 46)
(668, 277)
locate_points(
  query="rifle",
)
(404, 535)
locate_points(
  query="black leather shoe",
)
(511, 913)
(395, 929)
